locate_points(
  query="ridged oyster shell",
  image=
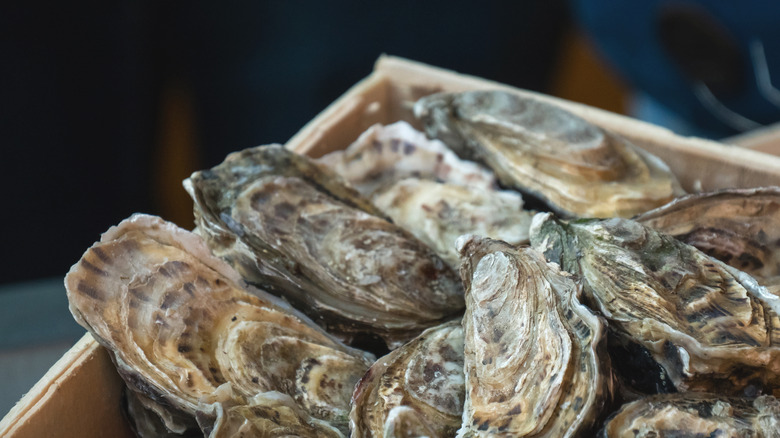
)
(740, 227)
(535, 361)
(696, 415)
(577, 168)
(179, 323)
(296, 229)
(425, 188)
(711, 327)
(271, 414)
(383, 155)
(415, 390)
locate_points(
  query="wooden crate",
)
(80, 395)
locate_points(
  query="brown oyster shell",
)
(179, 322)
(740, 227)
(296, 229)
(711, 327)
(415, 390)
(695, 415)
(577, 168)
(271, 414)
(425, 188)
(535, 362)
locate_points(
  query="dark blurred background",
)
(106, 106)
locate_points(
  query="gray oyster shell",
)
(535, 360)
(740, 227)
(296, 229)
(696, 415)
(711, 327)
(179, 322)
(415, 390)
(425, 188)
(577, 168)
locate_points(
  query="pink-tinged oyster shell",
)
(425, 188)
(180, 322)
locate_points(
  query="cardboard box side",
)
(78, 397)
(355, 111)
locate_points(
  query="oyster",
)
(146, 419)
(423, 187)
(439, 213)
(711, 328)
(270, 414)
(416, 390)
(536, 147)
(534, 363)
(383, 155)
(180, 322)
(696, 415)
(295, 228)
(740, 227)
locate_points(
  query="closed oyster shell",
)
(712, 328)
(296, 229)
(425, 188)
(415, 390)
(535, 363)
(383, 155)
(577, 168)
(696, 415)
(178, 322)
(439, 213)
(271, 414)
(740, 227)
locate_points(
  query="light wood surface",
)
(78, 397)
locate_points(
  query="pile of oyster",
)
(610, 303)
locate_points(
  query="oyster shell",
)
(270, 414)
(712, 328)
(438, 213)
(740, 227)
(178, 322)
(696, 415)
(296, 229)
(576, 167)
(416, 390)
(383, 155)
(425, 188)
(534, 363)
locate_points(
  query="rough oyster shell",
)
(383, 155)
(438, 214)
(425, 188)
(296, 229)
(416, 390)
(576, 167)
(179, 322)
(696, 415)
(711, 328)
(271, 414)
(535, 363)
(740, 227)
